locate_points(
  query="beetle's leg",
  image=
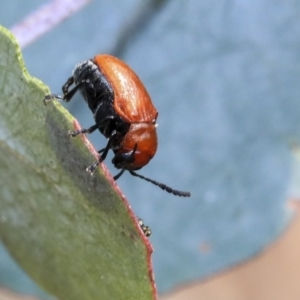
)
(65, 87)
(67, 94)
(104, 152)
(73, 133)
(117, 176)
(100, 151)
(50, 97)
(89, 130)
(106, 149)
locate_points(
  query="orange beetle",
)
(123, 113)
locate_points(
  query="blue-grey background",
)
(224, 76)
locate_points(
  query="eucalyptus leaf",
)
(73, 233)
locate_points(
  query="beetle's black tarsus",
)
(89, 130)
(51, 97)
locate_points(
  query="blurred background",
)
(224, 77)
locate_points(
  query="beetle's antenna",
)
(162, 186)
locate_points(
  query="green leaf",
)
(73, 233)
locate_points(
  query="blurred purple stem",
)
(44, 19)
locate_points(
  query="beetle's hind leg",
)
(67, 93)
(66, 86)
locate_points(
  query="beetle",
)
(123, 113)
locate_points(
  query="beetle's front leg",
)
(103, 155)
